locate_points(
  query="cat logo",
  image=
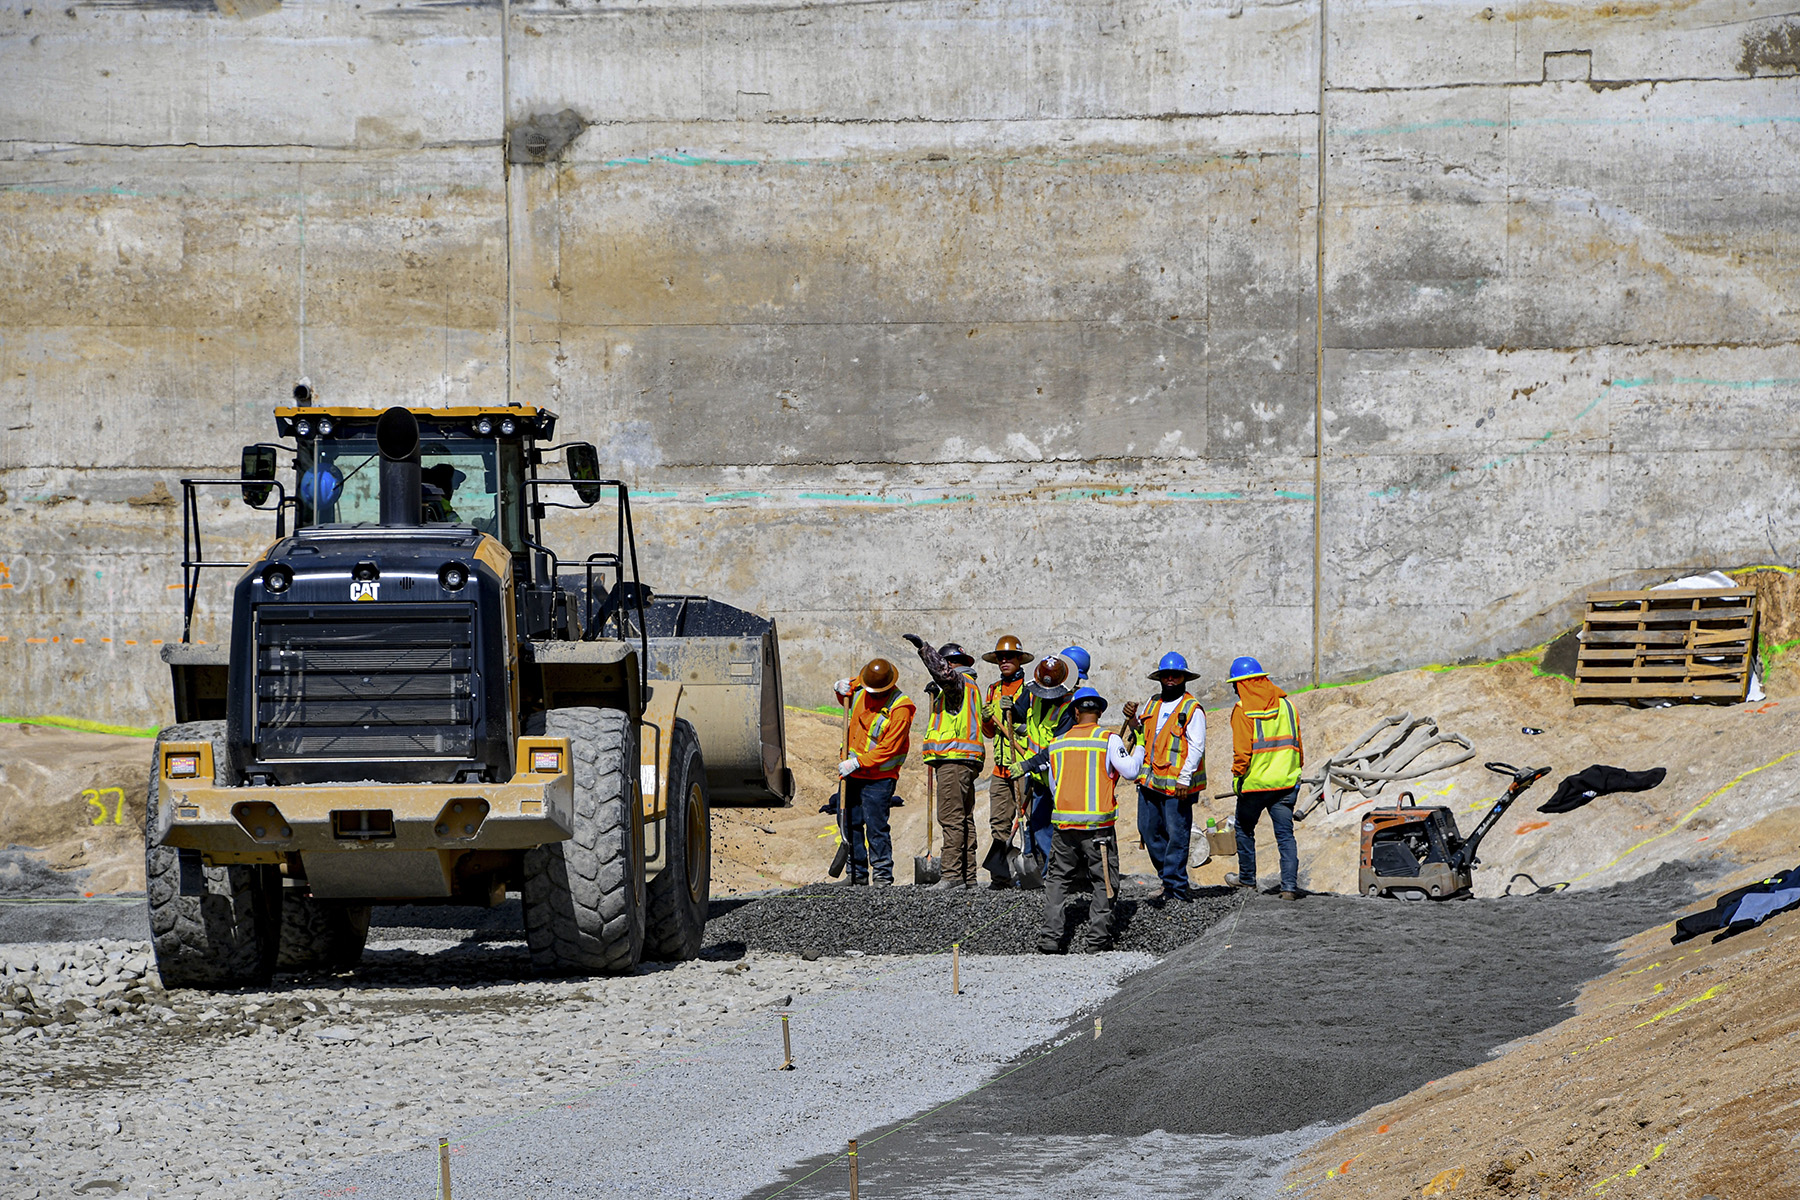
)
(365, 590)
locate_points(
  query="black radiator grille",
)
(365, 681)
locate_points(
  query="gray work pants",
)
(956, 816)
(1071, 850)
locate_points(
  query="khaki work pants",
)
(1004, 798)
(956, 817)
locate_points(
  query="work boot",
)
(1001, 883)
(1290, 895)
(881, 882)
(1232, 880)
(945, 885)
(1049, 945)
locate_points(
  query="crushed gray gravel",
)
(831, 920)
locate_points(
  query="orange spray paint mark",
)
(1528, 826)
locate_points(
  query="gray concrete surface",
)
(922, 316)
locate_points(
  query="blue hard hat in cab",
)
(1172, 662)
(1245, 668)
(1079, 657)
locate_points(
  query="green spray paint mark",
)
(736, 496)
(1205, 495)
(654, 495)
(82, 725)
(1295, 495)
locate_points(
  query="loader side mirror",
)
(584, 464)
(258, 464)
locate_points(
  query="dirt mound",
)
(77, 800)
(1676, 1078)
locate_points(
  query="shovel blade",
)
(926, 870)
(1025, 869)
(839, 859)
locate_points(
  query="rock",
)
(337, 1033)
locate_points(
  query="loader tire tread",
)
(584, 897)
(228, 937)
(676, 923)
(319, 935)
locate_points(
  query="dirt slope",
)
(78, 798)
(1678, 1076)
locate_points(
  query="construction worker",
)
(1079, 657)
(1043, 711)
(1266, 757)
(1084, 766)
(1174, 772)
(876, 739)
(1006, 786)
(953, 753)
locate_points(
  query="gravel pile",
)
(53, 991)
(832, 920)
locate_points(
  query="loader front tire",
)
(319, 935)
(229, 935)
(584, 897)
(680, 893)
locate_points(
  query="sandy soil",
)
(1679, 1076)
(78, 799)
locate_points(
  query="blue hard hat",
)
(1173, 662)
(319, 488)
(1087, 693)
(1079, 657)
(1245, 668)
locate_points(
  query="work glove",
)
(847, 766)
(1131, 715)
(844, 687)
(918, 642)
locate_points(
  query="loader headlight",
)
(325, 426)
(547, 762)
(277, 579)
(181, 766)
(304, 427)
(485, 426)
(452, 576)
(508, 427)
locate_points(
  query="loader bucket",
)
(728, 663)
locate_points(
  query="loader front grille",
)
(362, 682)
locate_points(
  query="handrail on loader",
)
(193, 556)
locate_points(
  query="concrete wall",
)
(953, 318)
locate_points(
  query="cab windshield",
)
(465, 482)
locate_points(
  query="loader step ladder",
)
(1675, 645)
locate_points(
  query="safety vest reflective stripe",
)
(955, 734)
(1084, 786)
(999, 704)
(886, 764)
(1169, 748)
(1274, 749)
(1041, 720)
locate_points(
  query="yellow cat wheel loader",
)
(422, 702)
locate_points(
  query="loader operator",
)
(1084, 766)
(1006, 786)
(1174, 773)
(1044, 712)
(1266, 756)
(876, 739)
(953, 753)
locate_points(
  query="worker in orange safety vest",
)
(876, 740)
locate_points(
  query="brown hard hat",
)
(1052, 671)
(1007, 647)
(878, 675)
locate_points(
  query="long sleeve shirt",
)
(1254, 695)
(946, 676)
(893, 741)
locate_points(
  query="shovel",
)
(926, 869)
(842, 856)
(1024, 866)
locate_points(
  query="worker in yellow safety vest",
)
(876, 739)
(954, 753)
(1044, 712)
(1174, 773)
(1084, 766)
(1266, 757)
(1006, 786)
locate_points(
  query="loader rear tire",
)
(230, 934)
(319, 935)
(584, 897)
(679, 895)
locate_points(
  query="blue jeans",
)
(1280, 806)
(1167, 823)
(1037, 823)
(868, 801)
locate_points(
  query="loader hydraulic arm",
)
(1464, 858)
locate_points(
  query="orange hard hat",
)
(1007, 647)
(877, 675)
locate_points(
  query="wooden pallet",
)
(1657, 645)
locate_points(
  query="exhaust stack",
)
(397, 437)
